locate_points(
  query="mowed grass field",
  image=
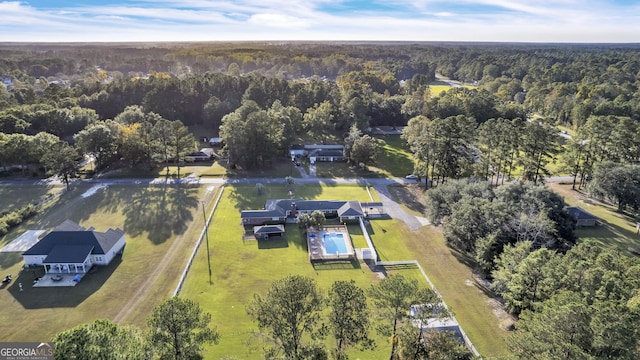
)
(13, 197)
(394, 160)
(243, 268)
(615, 230)
(161, 223)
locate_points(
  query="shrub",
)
(4, 228)
(13, 219)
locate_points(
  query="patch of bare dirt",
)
(506, 320)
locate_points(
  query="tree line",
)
(292, 324)
(574, 301)
(584, 304)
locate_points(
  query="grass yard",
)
(161, 223)
(395, 160)
(476, 312)
(435, 90)
(15, 197)
(242, 268)
(615, 230)
(437, 87)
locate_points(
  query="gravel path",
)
(394, 210)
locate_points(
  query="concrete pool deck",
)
(317, 248)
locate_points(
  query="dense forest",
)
(321, 89)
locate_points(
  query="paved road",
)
(221, 181)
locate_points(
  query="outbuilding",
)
(582, 217)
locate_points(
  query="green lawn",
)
(394, 161)
(435, 90)
(161, 224)
(437, 87)
(15, 197)
(242, 268)
(615, 230)
(451, 275)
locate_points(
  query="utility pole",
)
(206, 233)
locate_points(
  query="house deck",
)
(66, 279)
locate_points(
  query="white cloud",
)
(278, 21)
(412, 20)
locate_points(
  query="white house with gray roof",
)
(75, 249)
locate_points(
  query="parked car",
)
(411, 177)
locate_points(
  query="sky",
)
(584, 21)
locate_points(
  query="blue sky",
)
(382, 20)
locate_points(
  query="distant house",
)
(311, 150)
(215, 141)
(75, 249)
(297, 151)
(582, 217)
(197, 156)
(277, 211)
(322, 155)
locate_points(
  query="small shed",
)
(582, 217)
(264, 232)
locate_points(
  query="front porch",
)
(68, 259)
(67, 268)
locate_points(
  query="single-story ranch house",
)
(277, 211)
(75, 249)
(322, 155)
(318, 152)
(582, 217)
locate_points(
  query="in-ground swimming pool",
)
(334, 243)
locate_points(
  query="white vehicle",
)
(411, 177)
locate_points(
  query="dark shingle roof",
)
(100, 242)
(326, 152)
(279, 207)
(268, 229)
(72, 254)
(350, 208)
(579, 213)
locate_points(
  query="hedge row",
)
(15, 218)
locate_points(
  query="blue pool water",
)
(334, 243)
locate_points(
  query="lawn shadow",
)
(405, 196)
(8, 259)
(465, 259)
(273, 243)
(336, 264)
(247, 197)
(60, 297)
(161, 211)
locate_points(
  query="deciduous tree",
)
(61, 160)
